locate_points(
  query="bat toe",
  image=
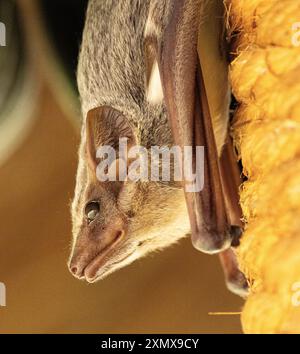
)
(238, 284)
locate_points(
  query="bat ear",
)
(90, 145)
(105, 126)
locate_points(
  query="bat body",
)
(139, 79)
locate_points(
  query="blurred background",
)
(171, 291)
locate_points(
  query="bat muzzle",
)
(89, 256)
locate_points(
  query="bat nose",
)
(74, 270)
(76, 267)
(89, 252)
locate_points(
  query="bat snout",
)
(76, 267)
(90, 255)
(80, 258)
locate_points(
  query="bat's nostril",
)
(74, 270)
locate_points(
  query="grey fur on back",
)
(111, 68)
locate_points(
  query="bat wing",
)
(190, 118)
(195, 85)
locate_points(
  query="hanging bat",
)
(140, 78)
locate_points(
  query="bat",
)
(141, 80)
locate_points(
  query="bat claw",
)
(237, 284)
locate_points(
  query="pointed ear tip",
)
(90, 147)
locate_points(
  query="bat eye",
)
(91, 211)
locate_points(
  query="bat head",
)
(117, 221)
